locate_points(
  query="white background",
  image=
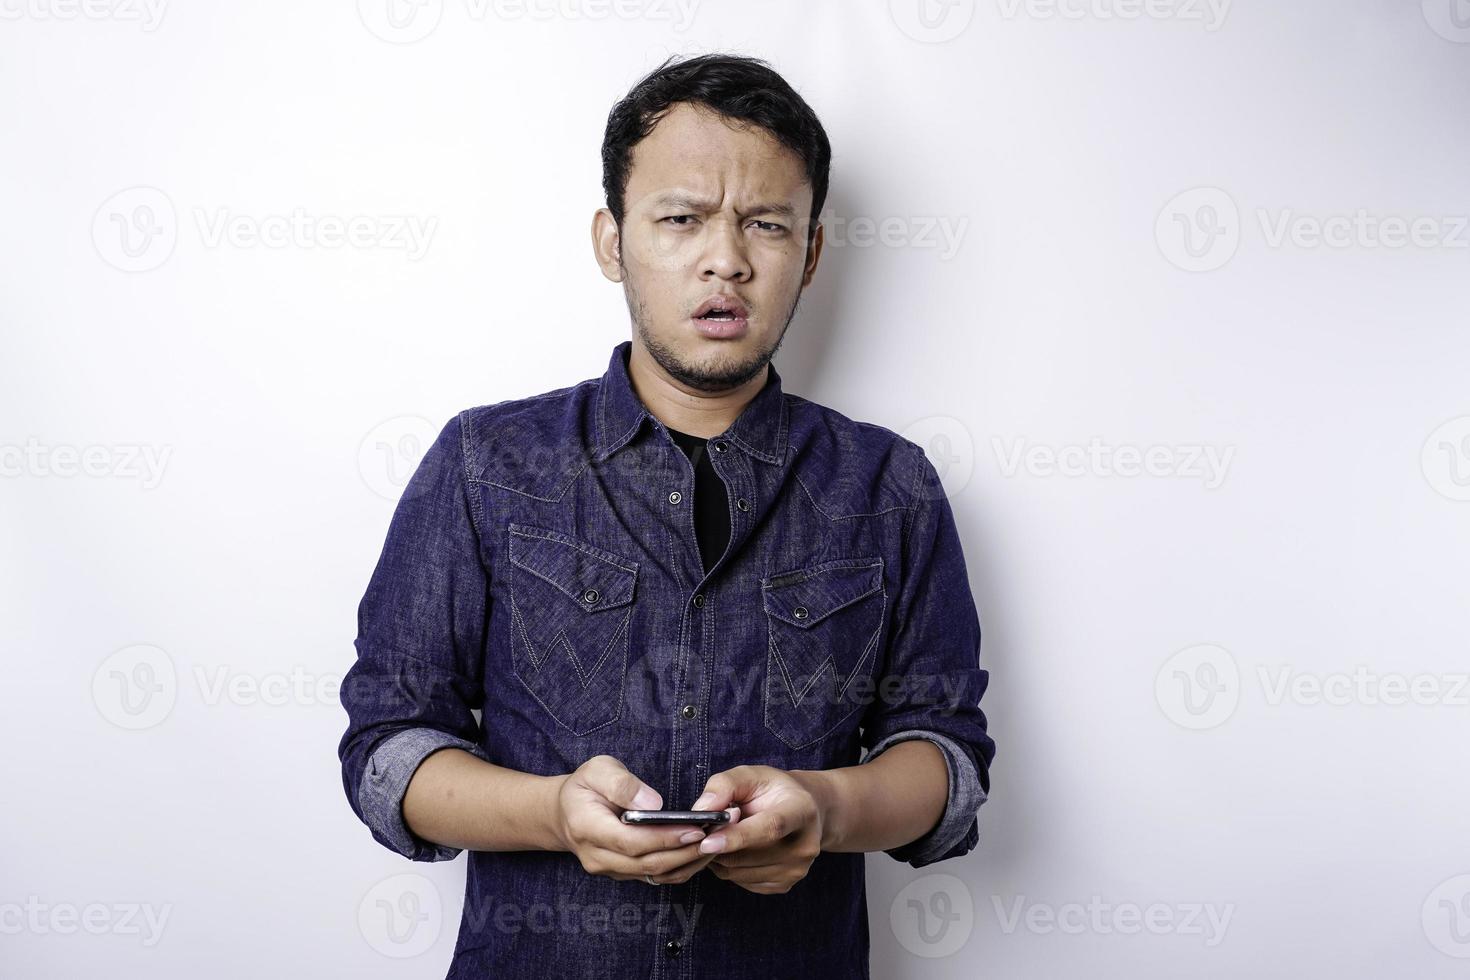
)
(269, 381)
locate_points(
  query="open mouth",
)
(721, 309)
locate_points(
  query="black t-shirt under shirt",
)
(711, 505)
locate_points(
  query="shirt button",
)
(675, 497)
(672, 947)
(688, 711)
(720, 447)
(743, 504)
(699, 599)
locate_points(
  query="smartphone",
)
(704, 818)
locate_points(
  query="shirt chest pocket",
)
(824, 623)
(571, 604)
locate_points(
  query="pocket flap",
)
(593, 578)
(806, 596)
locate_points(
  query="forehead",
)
(698, 150)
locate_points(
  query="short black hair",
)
(738, 87)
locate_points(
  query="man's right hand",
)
(589, 824)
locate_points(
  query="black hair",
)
(737, 87)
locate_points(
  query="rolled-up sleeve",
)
(421, 627)
(931, 683)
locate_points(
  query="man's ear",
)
(813, 256)
(607, 245)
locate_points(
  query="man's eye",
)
(770, 226)
(679, 219)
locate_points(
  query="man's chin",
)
(711, 365)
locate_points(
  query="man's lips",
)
(721, 306)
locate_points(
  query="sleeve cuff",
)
(958, 830)
(389, 770)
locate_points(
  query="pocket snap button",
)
(799, 612)
(590, 596)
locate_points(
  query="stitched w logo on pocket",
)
(824, 622)
(571, 603)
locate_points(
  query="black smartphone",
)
(704, 818)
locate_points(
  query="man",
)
(675, 586)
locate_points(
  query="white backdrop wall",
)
(1174, 292)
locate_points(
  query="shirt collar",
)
(760, 429)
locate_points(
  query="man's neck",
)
(698, 413)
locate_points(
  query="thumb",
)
(723, 789)
(621, 788)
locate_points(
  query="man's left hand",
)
(779, 834)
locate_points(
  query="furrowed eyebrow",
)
(693, 204)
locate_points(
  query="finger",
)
(763, 829)
(765, 879)
(610, 779)
(683, 873)
(636, 841)
(723, 788)
(614, 865)
(752, 858)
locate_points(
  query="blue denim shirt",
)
(540, 599)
